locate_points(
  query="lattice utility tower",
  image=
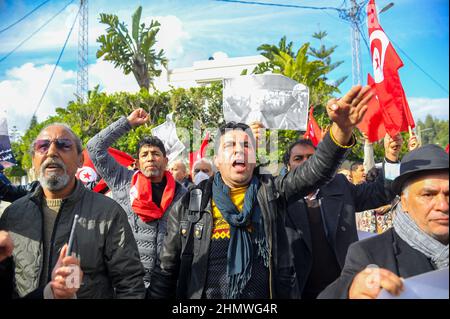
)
(82, 76)
(355, 15)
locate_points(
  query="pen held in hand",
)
(72, 234)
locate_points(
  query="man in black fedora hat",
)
(417, 243)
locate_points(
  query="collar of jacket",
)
(38, 195)
(206, 188)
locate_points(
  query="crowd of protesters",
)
(224, 230)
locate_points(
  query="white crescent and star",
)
(377, 58)
(87, 174)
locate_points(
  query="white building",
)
(204, 72)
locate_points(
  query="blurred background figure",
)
(358, 173)
(180, 173)
(347, 173)
(202, 170)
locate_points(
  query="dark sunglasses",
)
(62, 144)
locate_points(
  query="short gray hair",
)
(77, 140)
(206, 161)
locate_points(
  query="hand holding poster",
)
(167, 133)
(273, 99)
(430, 285)
(6, 156)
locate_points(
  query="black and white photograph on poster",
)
(6, 154)
(275, 100)
(167, 133)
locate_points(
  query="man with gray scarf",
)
(417, 243)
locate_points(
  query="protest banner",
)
(167, 133)
(272, 99)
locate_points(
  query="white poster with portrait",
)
(273, 99)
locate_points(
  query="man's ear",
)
(80, 160)
(216, 162)
(404, 202)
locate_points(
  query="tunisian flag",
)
(313, 131)
(372, 124)
(195, 156)
(88, 173)
(387, 86)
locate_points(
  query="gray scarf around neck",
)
(408, 230)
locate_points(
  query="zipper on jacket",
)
(41, 273)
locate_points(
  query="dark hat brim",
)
(398, 183)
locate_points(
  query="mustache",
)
(54, 162)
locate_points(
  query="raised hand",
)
(348, 111)
(257, 130)
(413, 143)
(138, 117)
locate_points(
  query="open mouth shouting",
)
(239, 165)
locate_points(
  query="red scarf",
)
(141, 197)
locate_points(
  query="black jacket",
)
(339, 200)
(387, 251)
(6, 278)
(103, 241)
(272, 198)
(10, 193)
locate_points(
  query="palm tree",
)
(297, 66)
(132, 53)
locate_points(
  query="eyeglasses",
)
(62, 144)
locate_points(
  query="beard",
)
(154, 172)
(53, 181)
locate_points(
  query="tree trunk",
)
(140, 72)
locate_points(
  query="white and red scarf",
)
(141, 197)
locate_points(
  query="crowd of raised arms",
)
(223, 229)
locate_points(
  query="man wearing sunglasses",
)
(321, 226)
(40, 224)
(146, 194)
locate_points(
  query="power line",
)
(280, 5)
(34, 33)
(412, 61)
(57, 63)
(420, 68)
(24, 17)
(342, 14)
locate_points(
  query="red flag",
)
(313, 131)
(372, 124)
(88, 173)
(446, 148)
(388, 88)
(195, 156)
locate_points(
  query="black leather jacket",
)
(273, 196)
